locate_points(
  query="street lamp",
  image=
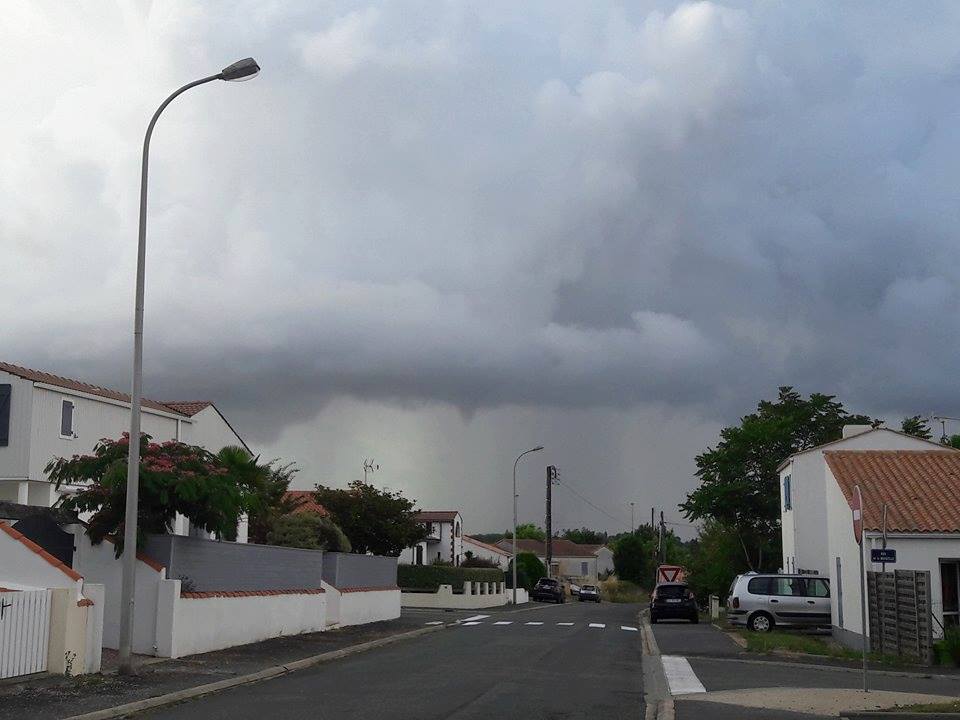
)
(538, 448)
(241, 70)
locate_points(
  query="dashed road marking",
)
(566, 624)
(628, 628)
(534, 623)
(434, 622)
(474, 618)
(504, 622)
(680, 676)
(598, 625)
(472, 622)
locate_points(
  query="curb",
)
(136, 706)
(901, 715)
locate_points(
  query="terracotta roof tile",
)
(355, 589)
(561, 547)
(188, 407)
(436, 515)
(306, 502)
(21, 538)
(79, 386)
(249, 593)
(921, 488)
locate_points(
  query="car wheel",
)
(761, 622)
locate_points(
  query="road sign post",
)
(857, 512)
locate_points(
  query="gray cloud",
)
(482, 206)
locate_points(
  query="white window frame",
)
(73, 420)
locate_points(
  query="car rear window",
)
(759, 586)
(671, 591)
(588, 588)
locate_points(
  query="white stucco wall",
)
(841, 543)
(15, 456)
(483, 552)
(470, 599)
(804, 528)
(21, 566)
(366, 606)
(209, 430)
(572, 567)
(97, 564)
(202, 624)
(604, 560)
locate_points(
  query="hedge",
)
(431, 577)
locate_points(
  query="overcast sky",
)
(436, 234)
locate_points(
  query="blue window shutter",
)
(5, 390)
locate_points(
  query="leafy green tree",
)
(376, 521)
(916, 426)
(529, 570)
(527, 531)
(635, 556)
(174, 478)
(585, 536)
(715, 558)
(954, 441)
(308, 530)
(739, 479)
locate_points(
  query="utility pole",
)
(633, 525)
(663, 545)
(651, 518)
(551, 476)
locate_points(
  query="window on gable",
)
(66, 418)
(787, 499)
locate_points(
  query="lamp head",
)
(245, 69)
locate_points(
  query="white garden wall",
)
(202, 622)
(360, 606)
(473, 597)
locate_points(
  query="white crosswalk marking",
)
(472, 623)
(534, 623)
(627, 627)
(598, 625)
(680, 676)
(435, 622)
(566, 624)
(474, 618)
(504, 622)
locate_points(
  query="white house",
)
(803, 494)
(921, 491)
(570, 560)
(486, 551)
(43, 416)
(444, 542)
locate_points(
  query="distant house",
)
(444, 541)
(305, 502)
(570, 560)
(43, 416)
(803, 494)
(485, 551)
(921, 492)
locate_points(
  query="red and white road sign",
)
(669, 573)
(856, 505)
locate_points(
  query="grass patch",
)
(950, 707)
(797, 642)
(621, 591)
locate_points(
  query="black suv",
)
(549, 590)
(673, 601)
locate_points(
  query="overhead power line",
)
(589, 502)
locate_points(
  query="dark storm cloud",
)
(485, 204)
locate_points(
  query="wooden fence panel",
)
(899, 610)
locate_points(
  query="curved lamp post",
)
(538, 448)
(241, 70)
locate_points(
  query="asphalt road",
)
(531, 668)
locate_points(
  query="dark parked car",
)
(590, 592)
(548, 590)
(673, 601)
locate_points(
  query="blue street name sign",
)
(883, 555)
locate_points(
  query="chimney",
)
(850, 430)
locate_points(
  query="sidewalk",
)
(52, 697)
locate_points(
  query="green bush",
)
(431, 577)
(951, 644)
(529, 570)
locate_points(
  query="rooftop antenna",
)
(369, 466)
(944, 440)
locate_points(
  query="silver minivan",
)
(763, 601)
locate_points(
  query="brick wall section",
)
(251, 593)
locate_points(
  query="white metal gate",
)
(24, 631)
